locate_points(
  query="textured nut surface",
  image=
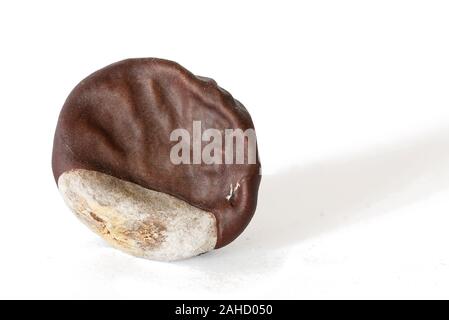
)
(119, 119)
(139, 221)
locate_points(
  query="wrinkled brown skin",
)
(118, 121)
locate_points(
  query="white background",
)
(351, 104)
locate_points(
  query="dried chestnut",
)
(149, 156)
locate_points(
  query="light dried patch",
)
(139, 221)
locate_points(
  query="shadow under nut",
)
(118, 122)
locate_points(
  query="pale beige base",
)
(139, 221)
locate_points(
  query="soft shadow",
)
(307, 201)
(310, 200)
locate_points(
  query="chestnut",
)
(159, 162)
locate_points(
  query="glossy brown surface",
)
(118, 121)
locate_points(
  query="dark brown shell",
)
(118, 121)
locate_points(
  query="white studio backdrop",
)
(351, 105)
